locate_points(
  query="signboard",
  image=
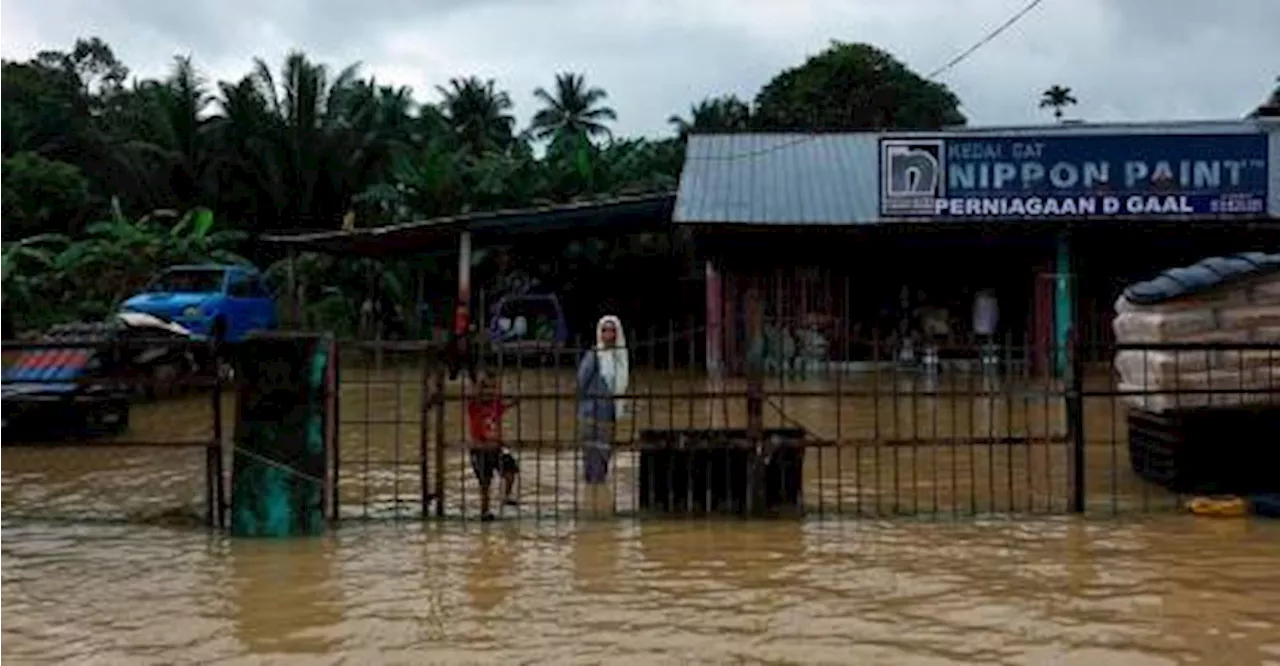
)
(1017, 177)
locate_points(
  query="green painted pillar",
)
(1063, 303)
(282, 435)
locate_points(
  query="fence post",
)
(335, 475)
(1075, 419)
(427, 399)
(215, 455)
(440, 441)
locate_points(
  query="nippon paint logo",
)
(911, 176)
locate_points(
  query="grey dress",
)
(596, 416)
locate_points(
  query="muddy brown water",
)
(1017, 583)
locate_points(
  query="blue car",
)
(528, 323)
(229, 301)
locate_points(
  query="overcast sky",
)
(1125, 59)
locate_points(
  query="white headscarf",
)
(614, 362)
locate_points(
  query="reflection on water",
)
(284, 595)
(491, 576)
(1170, 590)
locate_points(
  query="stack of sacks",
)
(1246, 311)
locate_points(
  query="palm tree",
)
(573, 110)
(478, 113)
(167, 156)
(1057, 98)
(714, 114)
(298, 148)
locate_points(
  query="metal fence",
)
(90, 438)
(883, 437)
(974, 433)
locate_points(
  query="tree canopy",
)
(97, 166)
(854, 87)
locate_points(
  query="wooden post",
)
(755, 362)
(282, 436)
(715, 325)
(755, 397)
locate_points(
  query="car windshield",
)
(188, 281)
(531, 318)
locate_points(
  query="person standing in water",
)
(489, 455)
(603, 373)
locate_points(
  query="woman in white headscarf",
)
(603, 373)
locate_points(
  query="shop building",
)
(880, 243)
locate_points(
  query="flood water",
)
(102, 566)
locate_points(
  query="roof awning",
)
(624, 213)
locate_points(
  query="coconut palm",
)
(574, 109)
(168, 158)
(478, 113)
(1057, 98)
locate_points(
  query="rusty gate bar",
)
(335, 465)
(217, 487)
(1075, 421)
(440, 403)
(426, 400)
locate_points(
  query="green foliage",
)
(302, 146)
(29, 268)
(40, 194)
(714, 114)
(855, 87)
(573, 110)
(50, 277)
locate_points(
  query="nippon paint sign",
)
(1144, 175)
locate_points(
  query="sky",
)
(1125, 60)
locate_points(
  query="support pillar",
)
(715, 322)
(1063, 302)
(755, 362)
(462, 315)
(461, 352)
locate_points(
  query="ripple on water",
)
(1170, 590)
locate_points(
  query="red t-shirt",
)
(485, 420)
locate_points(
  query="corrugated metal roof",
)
(630, 211)
(779, 179)
(833, 179)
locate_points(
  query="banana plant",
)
(24, 272)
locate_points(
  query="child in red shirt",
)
(488, 455)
